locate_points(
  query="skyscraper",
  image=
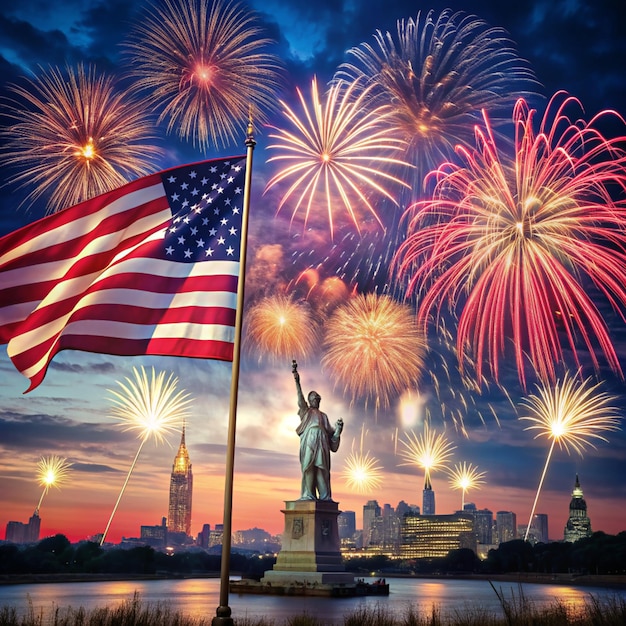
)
(371, 511)
(578, 525)
(483, 526)
(506, 526)
(181, 486)
(428, 498)
(346, 524)
(540, 525)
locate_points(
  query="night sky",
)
(576, 46)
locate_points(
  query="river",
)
(199, 597)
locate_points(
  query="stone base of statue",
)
(309, 562)
(311, 550)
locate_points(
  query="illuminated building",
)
(428, 498)
(431, 536)
(578, 525)
(181, 486)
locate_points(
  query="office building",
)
(506, 526)
(346, 524)
(431, 536)
(203, 536)
(539, 528)
(483, 526)
(155, 536)
(371, 511)
(18, 532)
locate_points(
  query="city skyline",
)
(69, 415)
(181, 462)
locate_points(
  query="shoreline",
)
(609, 581)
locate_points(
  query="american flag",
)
(149, 268)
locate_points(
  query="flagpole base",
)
(223, 617)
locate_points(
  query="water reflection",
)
(200, 597)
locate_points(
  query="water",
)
(199, 597)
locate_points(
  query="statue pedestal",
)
(311, 550)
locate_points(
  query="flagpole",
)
(223, 613)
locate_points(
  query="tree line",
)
(598, 554)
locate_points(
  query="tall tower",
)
(578, 525)
(428, 498)
(181, 486)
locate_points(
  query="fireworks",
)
(73, 137)
(429, 450)
(203, 64)
(465, 476)
(150, 405)
(336, 154)
(515, 244)
(373, 348)
(572, 414)
(52, 471)
(435, 77)
(281, 329)
(362, 471)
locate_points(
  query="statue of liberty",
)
(317, 440)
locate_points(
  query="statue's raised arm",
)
(302, 403)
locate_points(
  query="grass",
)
(518, 611)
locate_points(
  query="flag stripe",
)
(110, 217)
(123, 337)
(149, 268)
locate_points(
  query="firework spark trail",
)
(52, 471)
(280, 328)
(465, 476)
(458, 395)
(429, 450)
(373, 348)
(335, 154)
(362, 471)
(151, 405)
(513, 242)
(74, 137)
(434, 77)
(572, 414)
(203, 65)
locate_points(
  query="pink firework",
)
(519, 247)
